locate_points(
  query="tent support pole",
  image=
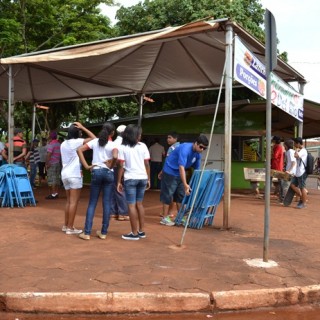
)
(300, 125)
(228, 127)
(10, 115)
(33, 121)
(140, 109)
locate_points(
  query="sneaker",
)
(84, 236)
(101, 235)
(167, 221)
(51, 197)
(142, 234)
(130, 236)
(73, 231)
(301, 205)
(64, 228)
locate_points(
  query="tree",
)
(33, 25)
(158, 14)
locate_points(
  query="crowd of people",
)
(292, 159)
(122, 168)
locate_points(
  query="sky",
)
(297, 32)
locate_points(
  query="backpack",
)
(309, 163)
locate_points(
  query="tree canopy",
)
(33, 25)
(157, 14)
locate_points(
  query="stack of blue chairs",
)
(15, 187)
(209, 196)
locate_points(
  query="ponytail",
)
(106, 131)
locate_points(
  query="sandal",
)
(123, 218)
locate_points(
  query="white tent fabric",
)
(188, 57)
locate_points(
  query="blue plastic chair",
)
(23, 187)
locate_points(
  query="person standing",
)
(42, 163)
(172, 140)
(119, 206)
(134, 166)
(174, 184)
(53, 166)
(157, 154)
(290, 168)
(105, 155)
(298, 183)
(34, 159)
(277, 159)
(71, 173)
(19, 148)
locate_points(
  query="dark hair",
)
(298, 140)
(73, 132)
(289, 143)
(106, 131)
(276, 139)
(173, 134)
(131, 135)
(202, 139)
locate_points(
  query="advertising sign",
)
(251, 72)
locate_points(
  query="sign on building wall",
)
(251, 72)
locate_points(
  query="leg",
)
(74, 196)
(107, 186)
(133, 214)
(95, 189)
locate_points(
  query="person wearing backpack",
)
(298, 182)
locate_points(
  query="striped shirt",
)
(54, 149)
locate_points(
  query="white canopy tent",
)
(184, 58)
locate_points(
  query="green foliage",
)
(157, 14)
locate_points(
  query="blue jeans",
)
(134, 190)
(118, 203)
(33, 173)
(101, 180)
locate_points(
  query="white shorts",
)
(72, 183)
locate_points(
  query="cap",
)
(35, 140)
(53, 135)
(121, 128)
(17, 130)
(298, 140)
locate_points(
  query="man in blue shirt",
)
(174, 184)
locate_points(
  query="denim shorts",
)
(72, 183)
(171, 189)
(134, 190)
(300, 182)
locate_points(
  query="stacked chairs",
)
(209, 196)
(15, 187)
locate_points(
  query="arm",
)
(48, 159)
(21, 155)
(83, 160)
(183, 177)
(87, 131)
(147, 166)
(4, 154)
(120, 174)
(112, 162)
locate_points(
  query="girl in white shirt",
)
(134, 166)
(71, 174)
(105, 154)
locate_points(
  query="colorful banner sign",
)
(251, 72)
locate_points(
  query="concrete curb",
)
(135, 302)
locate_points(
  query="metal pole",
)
(140, 109)
(228, 128)
(300, 125)
(33, 121)
(10, 115)
(271, 62)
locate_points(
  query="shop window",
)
(246, 148)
